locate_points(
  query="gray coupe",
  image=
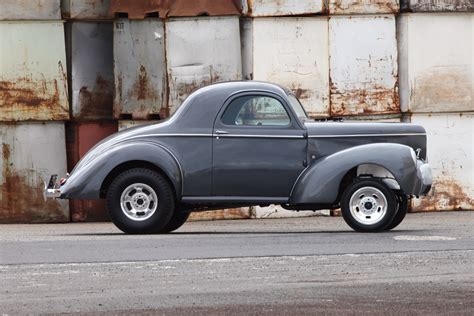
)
(248, 143)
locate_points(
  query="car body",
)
(251, 143)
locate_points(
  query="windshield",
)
(298, 108)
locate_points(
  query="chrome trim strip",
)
(258, 136)
(366, 135)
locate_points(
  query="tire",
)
(401, 212)
(368, 205)
(176, 221)
(140, 201)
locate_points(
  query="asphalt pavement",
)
(298, 266)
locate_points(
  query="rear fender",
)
(86, 182)
(319, 183)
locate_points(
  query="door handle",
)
(221, 132)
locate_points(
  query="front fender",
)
(319, 183)
(86, 181)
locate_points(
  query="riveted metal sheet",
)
(80, 137)
(438, 5)
(436, 62)
(200, 51)
(363, 65)
(30, 153)
(284, 7)
(33, 79)
(91, 69)
(85, 9)
(293, 52)
(450, 147)
(30, 10)
(230, 213)
(363, 6)
(139, 69)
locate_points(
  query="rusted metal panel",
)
(30, 10)
(293, 52)
(363, 65)
(387, 118)
(134, 9)
(200, 51)
(124, 124)
(30, 153)
(85, 9)
(437, 5)
(80, 137)
(203, 8)
(231, 213)
(33, 79)
(451, 156)
(91, 73)
(284, 7)
(139, 69)
(436, 62)
(363, 6)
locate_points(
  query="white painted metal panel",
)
(85, 9)
(451, 156)
(293, 52)
(284, 7)
(363, 65)
(30, 10)
(124, 124)
(33, 78)
(31, 152)
(363, 6)
(139, 69)
(201, 51)
(91, 72)
(276, 211)
(436, 62)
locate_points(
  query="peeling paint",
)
(261, 8)
(363, 6)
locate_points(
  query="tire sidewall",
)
(392, 205)
(163, 212)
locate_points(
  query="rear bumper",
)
(52, 189)
(424, 178)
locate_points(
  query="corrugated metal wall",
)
(74, 71)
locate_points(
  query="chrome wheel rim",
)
(138, 201)
(368, 205)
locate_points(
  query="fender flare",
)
(86, 182)
(319, 183)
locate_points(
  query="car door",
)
(259, 147)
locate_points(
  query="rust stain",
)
(98, 102)
(142, 88)
(301, 93)
(139, 9)
(447, 195)
(376, 100)
(231, 213)
(22, 197)
(26, 98)
(443, 89)
(88, 211)
(363, 6)
(181, 8)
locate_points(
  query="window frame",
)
(288, 110)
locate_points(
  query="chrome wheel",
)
(139, 201)
(368, 205)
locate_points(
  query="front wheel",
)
(140, 201)
(368, 205)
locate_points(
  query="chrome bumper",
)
(425, 178)
(52, 188)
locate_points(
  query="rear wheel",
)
(177, 220)
(401, 212)
(140, 201)
(368, 205)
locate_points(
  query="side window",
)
(256, 111)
